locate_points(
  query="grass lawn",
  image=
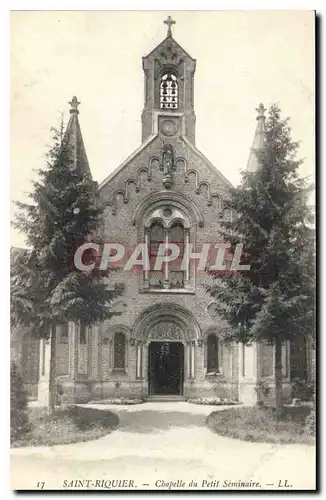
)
(68, 425)
(259, 424)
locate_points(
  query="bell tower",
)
(169, 90)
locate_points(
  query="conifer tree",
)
(48, 289)
(19, 423)
(274, 300)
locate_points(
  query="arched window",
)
(170, 273)
(156, 238)
(169, 91)
(176, 275)
(119, 351)
(212, 353)
(166, 227)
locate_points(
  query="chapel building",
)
(164, 340)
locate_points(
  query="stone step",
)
(165, 398)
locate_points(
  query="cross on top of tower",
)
(169, 21)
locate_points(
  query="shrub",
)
(19, 423)
(118, 401)
(310, 423)
(302, 390)
(262, 389)
(213, 401)
(58, 392)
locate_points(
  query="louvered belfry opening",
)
(169, 91)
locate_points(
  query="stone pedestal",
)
(73, 350)
(44, 373)
(248, 373)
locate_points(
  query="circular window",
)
(169, 127)
(167, 213)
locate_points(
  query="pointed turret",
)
(259, 140)
(74, 138)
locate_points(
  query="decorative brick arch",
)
(166, 322)
(220, 329)
(213, 332)
(162, 198)
(108, 333)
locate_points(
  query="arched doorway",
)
(166, 336)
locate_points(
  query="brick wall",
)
(117, 227)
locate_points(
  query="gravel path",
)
(162, 446)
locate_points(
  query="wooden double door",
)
(165, 368)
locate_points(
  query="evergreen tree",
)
(20, 303)
(19, 423)
(273, 301)
(62, 215)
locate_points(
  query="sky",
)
(243, 58)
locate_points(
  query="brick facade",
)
(167, 172)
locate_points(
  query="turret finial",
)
(74, 103)
(261, 111)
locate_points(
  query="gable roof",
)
(127, 160)
(169, 38)
(213, 169)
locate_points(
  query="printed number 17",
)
(40, 484)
